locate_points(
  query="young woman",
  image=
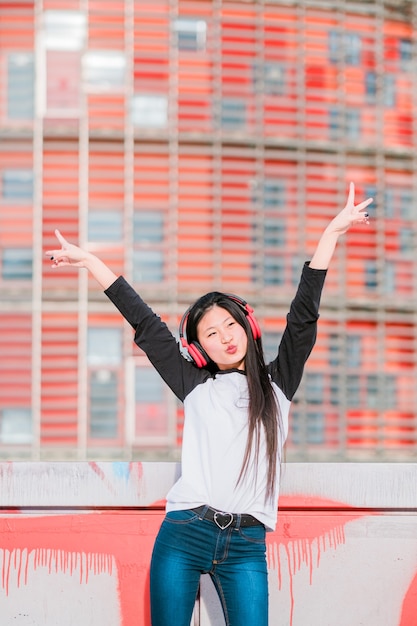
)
(236, 421)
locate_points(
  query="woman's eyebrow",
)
(223, 322)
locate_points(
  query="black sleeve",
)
(300, 332)
(154, 337)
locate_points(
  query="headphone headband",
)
(194, 349)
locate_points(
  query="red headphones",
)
(194, 349)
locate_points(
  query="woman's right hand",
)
(72, 256)
(68, 255)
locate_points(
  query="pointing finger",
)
(60, 238)
(351, 196)
(364, 204)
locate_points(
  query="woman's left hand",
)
(351, 214)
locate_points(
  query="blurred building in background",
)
(200, 145)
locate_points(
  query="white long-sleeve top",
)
(216, 405)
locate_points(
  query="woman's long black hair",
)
(263, 405)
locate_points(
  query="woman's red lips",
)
(231, 349)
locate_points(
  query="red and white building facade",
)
(200, 145)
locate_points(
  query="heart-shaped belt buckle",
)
(223, 520)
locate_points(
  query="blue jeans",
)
(235, 558)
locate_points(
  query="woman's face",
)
(222, 338)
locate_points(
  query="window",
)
(149, 111)
(273, 270)
(271, 342)
(20, 86)
(364, 391)
(296, 264)
(353, 123)
(64, 40)
(148, 226)
(308, 429)
(398, 203)
(334, 46)
(103, 404)
(270, 78)
(64, 30)
(274, 233)
(371, 392)
(17, 184)
(151, 415)
(233, 113)
(353, 395)
(148, 261)
(104, 70)
(353, 48)
(389, 203)
(406, 239)
(190, 34)
(406, 204)
(315, 427)
(389, 91)
(16, 426)
(334, 350)
(371, 276)
(370, 191)
(314, 388)
(389, 276)
(353, 351)
(371, 86)
(104, 346)
(389, 392)
(345, 47)
(104, 355)
(274, 79)
(334, 387)
(406, 51)
(63, 75)
(334, 123)
(105, 226)
(148, 266)
(273, 194)
(17, 264)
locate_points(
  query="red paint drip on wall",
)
(21, 561)
(121, 542)
(409, 610)
(304, 535)
(84, 543)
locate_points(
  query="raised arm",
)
(351, 214)
(300, 332)
(72, 256)
(152, 335)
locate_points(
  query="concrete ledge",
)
(122, 484)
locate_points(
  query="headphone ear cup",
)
(194, 349)
(197, 353)
(256, 330)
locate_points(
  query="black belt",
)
(224, 520)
